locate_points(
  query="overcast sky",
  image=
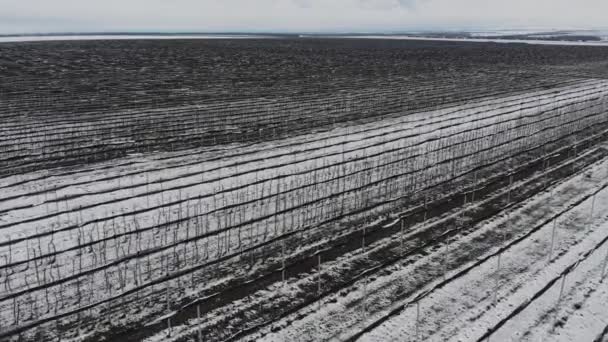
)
(27, 16)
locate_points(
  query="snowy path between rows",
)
(579, 314)
(467, 307)
(347, 312)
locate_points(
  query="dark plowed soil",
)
(74, 102)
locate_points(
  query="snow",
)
(486, 40)
(579, 314)
(463, 310)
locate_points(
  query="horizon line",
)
(292, 33)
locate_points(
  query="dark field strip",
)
(228, 112)
(253, 108)
(371, 68)
(230, 68)
(109, 145)
(178, 130)
(320, 109)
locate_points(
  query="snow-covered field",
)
(488, 40)
(138, 235)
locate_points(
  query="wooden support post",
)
(592, 208)
(319, 280)
(402, 236)
(365, 298)
(425, 208)
(417, 321)
(474, 186)
(198, 325)
(559, 299)
(363, 239)
(497, 276)
(603, 274)
(509, 190)
(552, 240)
(283, 261)
(168, 310)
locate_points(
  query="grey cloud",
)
(408, 3)
(294, 15)
(303, 3)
